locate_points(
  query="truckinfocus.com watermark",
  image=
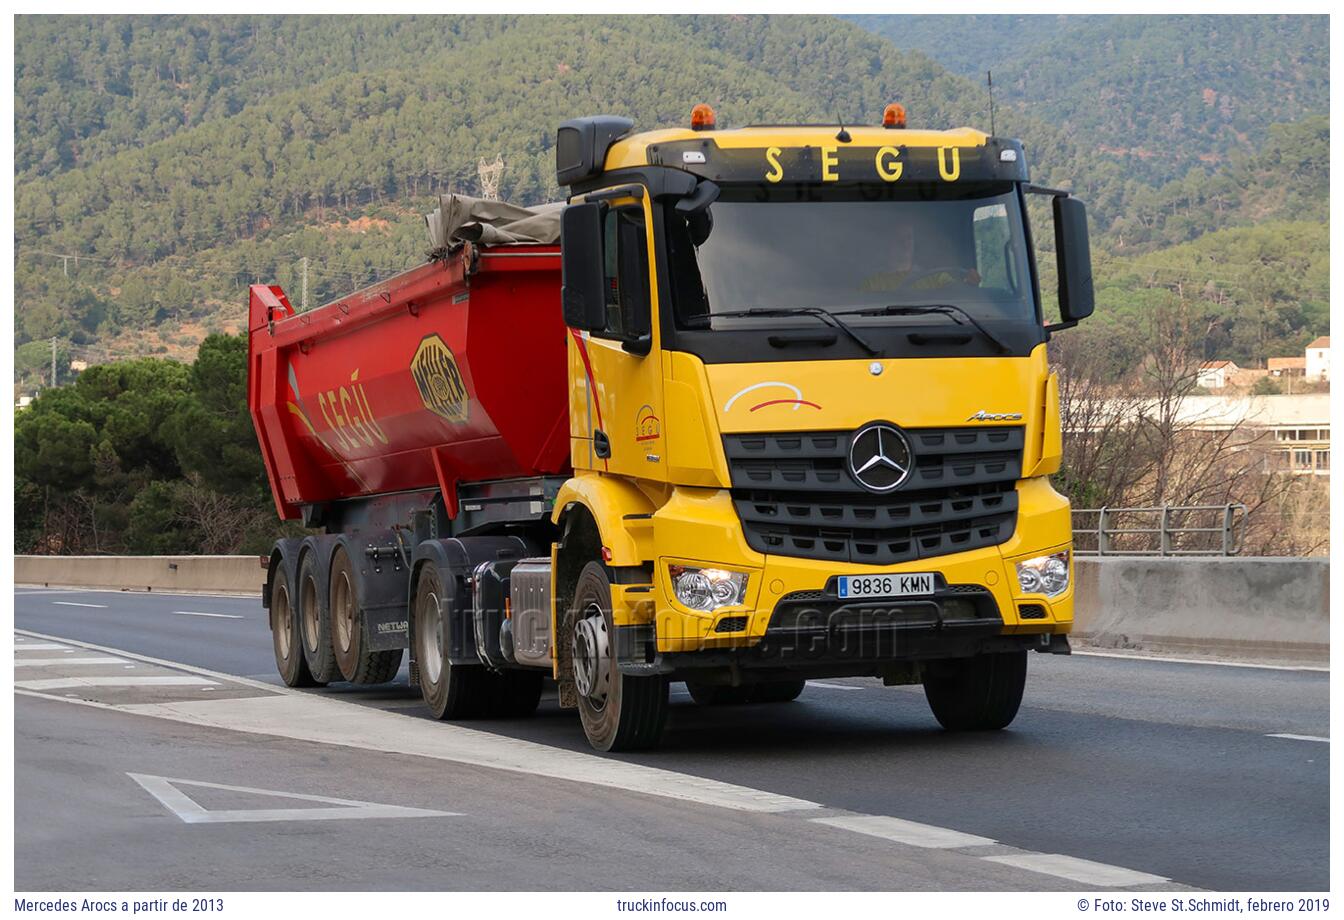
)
(660, 905)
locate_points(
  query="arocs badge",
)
(436, 376)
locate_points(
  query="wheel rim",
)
(592, 657)
(282, 624)
(430, 633)
(308, 613)
(343, 611)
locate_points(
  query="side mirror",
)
(1076, 299)
(582, 293)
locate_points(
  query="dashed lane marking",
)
(1320, 738)
(47, 662)
(72, 683)
(179, 803)
(826, 686)
(198, 613)
(1083, 871)
(41, 646)
(301, 716)
(78, 604)
(910, 833)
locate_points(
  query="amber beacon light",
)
(893, 116)
(702, 118)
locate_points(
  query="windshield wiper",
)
(951, 311)
(826, 316)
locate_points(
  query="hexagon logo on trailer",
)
(436, 376)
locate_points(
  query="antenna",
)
(989, 81)
(843, 137)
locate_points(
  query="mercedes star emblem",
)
(879, 457)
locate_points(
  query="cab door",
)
(616, 401)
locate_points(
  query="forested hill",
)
(1161, 93)
(181, 158)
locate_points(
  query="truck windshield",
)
(852, 252)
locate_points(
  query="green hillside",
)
(182, 158)
(1159, 93)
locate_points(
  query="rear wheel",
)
(619, 712)
(315, 627)
(285, 633)
(981, 693)
(451, 691)
(517, 692)
(780, 691)
(357, 664)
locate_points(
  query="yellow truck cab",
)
(811, 418)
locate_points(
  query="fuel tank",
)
(452, 372)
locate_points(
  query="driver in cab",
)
(902, 272)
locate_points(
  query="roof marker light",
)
(702, 118)
(893, 116)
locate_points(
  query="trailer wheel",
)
(358, 665)
(981, 693)
(315, 626)
(451, 691)
(619, 712)
(518, 693)
(285, 633)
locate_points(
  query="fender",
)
(456, 559)
(381, 590)
(621, 511)
(285, 552)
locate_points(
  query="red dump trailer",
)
(419, 424)
(453, 372)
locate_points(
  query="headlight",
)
(708, 589)
(1048, 575)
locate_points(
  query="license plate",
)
(902, 584)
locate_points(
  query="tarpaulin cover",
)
(459, 219)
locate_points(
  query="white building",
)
(1213, 374)
(1318, 359)
(1299, 425)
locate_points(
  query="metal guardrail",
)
(1163, 531)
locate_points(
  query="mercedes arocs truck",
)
(753, 406)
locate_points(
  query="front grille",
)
(795, 495)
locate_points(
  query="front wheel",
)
(981, 693)
(619, 712)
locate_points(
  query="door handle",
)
(601, 444)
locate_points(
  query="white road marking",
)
(197, 613)
(238, 596)
(826, 686)
(77, 604)
(292, 714)
(44, 646)
(1319, 738)
(910, 833)
(46, 662)
(68, 683)
(1083, 871)
(1219, 664)
(179, 803)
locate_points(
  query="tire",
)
(285, 633)
(718, 694)
(779, 691)
(451, 691)
(357, 665)
(619, 712)
(314, 625)
(982, 693)
(517, 693)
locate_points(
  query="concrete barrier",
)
(207, 574)
(1252, 606)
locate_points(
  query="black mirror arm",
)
(1052, 328)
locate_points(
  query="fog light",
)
(707, 589)
(1048, 575)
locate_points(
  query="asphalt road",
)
(1165, 768)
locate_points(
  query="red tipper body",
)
(436, 376)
